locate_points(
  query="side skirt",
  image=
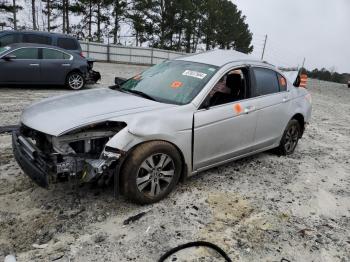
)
(232, 159)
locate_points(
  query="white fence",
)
(130, 55)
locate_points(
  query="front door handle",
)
(33, 64)
(249, 109)
(285, 99)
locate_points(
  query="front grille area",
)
(39, 139)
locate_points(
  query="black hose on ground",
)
(195, 244)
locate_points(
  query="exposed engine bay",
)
(81, 154)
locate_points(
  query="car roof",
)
(220, 57)
(18, 45)
(38, 32)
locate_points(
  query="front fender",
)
(141, 130)
(150, 129)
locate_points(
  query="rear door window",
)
(8, 39)
(54, 54)
(26, 53)
(67, 43)
(266, 81)
(36, 39)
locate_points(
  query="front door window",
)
(230, 88)
(26, 53)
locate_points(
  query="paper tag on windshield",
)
(194, 74)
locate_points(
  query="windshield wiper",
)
(140, 93)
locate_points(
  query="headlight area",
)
(80, 155)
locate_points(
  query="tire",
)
(145, 182)
(75, 81)
(290, 138)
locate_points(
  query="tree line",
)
(180, 25)
(328, 75)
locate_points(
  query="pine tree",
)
(34, 15)
(137, 14)
(182, 25)
(52, 12)
(10, 8)
(119, 11)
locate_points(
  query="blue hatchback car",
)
(60, 41)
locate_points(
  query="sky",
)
(318, 30)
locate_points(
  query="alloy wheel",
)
(292, 137)
(155, 174)
(76, 81)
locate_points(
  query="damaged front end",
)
(81, 155)
(92, 76)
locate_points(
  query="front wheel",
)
(151, 172)
(75, 81)
(290, 138)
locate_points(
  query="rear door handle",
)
(285, 99)
(65, 64)
(249, 109)
(33, 64)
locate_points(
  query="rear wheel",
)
(290, 138)
(151, 172)
(75, 81)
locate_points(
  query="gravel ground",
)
(261, 208)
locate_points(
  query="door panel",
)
(272, 118)
(20, 71)
(54, 71)
(223, 132)
(54, 66)
(273, 106)
(25, 68)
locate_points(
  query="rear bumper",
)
(29, 159)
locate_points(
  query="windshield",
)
(3, 49)
(175, 82)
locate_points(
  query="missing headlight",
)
(89, 146)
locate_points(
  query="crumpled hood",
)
(58, 115)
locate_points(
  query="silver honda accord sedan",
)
(170, 122)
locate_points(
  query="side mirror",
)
(119, 80)
(9, 57)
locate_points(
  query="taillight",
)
(82, 54)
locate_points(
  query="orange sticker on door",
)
(176, 84)
(238, 108)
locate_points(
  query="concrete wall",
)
(130, 55)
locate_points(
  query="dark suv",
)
(63, 41)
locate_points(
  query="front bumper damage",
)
(29, 159)
(92, 76)
(45, 168)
